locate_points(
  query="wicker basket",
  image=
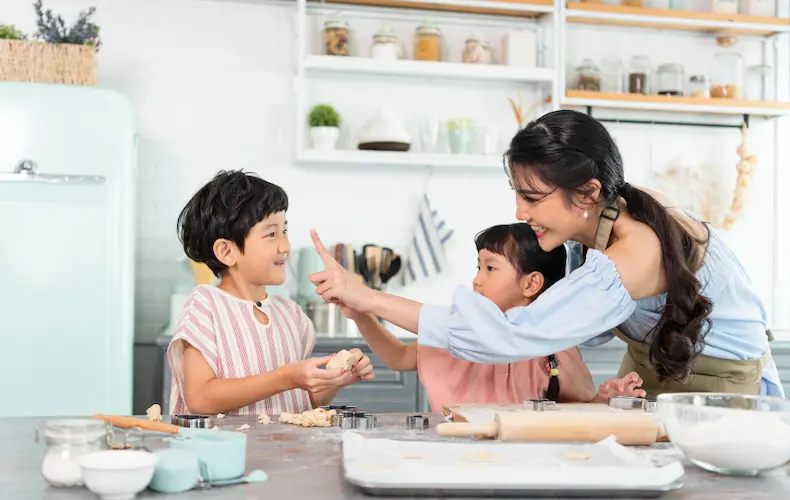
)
(23, 61)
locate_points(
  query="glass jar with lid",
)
(385, 44)
(727, 78)
(67, 441)
(612, 75)
(428, 42)
(670, 79)
(698, 87)
(477, 50)
(588, 76)
(639, 75)
(336, 37)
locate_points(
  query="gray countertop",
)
(306, 463)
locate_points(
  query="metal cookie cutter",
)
(627, 403)
(340, 408)
(364, 420)
(537, 404)
(650, 406)
(193, 421)
(416, 422)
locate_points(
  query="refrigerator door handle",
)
(25, 171)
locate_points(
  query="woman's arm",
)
(395, 353)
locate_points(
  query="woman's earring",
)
(586, 214)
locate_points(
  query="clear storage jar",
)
(612, 75)
(639, 75)
(336, 37)
(724, 6)
(385, 44)
(760, 83)
(763, 8)
(428, 42)
(670, 79)
(67, 441)
(698, 87)
(727, 78)
(588, 76)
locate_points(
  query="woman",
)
(656, 277)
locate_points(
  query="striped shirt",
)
(236, 345)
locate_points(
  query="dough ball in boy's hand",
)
(343, 359)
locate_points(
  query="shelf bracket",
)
(678, 124)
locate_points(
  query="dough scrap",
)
(243, 427)
(343, 359)
(220, 415)
(576, 456)
(481, 457)
(154, 413)
(318, 417)
(264, 419)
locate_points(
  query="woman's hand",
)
(627, 386)
(336, 284)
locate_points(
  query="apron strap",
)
(605, 226)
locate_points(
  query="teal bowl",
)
(224, 453)
(176, 471)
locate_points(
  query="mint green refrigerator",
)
(67, 219)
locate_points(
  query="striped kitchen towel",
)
(425, 256)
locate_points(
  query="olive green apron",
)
(708, 374)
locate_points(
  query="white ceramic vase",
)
(324, 138)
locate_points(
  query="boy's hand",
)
(362, 369)
(627, 386)
(309, 376)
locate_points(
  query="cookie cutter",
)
(193, 421)
(354, 420)
(627, 403)
(650, 406)
(340, 408)
(537, 404)
(416, 422)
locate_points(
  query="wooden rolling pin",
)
(634, 429)
(133, 423)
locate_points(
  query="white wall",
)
(212, 85)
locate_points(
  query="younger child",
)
(512, 271)
(237, 350)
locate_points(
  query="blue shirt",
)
(591, 299)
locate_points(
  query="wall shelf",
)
(674, 104)
(707, 22)
(513, 8)
(375, 159)
(425, 69)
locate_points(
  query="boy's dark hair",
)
(519, 245)
(227, 207)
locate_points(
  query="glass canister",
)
(477, 50)
(698, 87)
(670, 79)
(336, 36)
(385, 44)
(588, 76)
(612, 75)
(428, 42)
(724, 6)
(639, 75)
(727, 78)
(760, 83)
(67, 441)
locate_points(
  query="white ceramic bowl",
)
(728, 433)
(118, 474)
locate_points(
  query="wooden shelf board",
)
(520, 8)
(382, 159)
(681, 104)
(708, 22)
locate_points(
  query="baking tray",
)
(387, 467)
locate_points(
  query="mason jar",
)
(67, 441)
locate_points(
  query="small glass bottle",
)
(639, 75)
(428, 42)
(612, 75)
(67, 441)
(588, 76)
(698, 87)
(336, 36)
(670, 79)
(727, 78)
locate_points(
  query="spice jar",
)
(336, 36)
(670, 79)
(477, 50)
(588, 76)
(67, 441)
(638, 73)
(612, 75)
(698, 87)
(728, 72)
(385, 44)
(428, 42)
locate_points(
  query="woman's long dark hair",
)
(566, 149)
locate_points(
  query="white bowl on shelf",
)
(118, 474)
(731, 434)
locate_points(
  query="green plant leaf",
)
(324, 115)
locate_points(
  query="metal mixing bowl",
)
(728, 433)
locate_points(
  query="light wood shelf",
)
(679, 104)
(707, 22)
(513, 8)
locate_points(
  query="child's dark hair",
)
(519, 245)
(227, 207)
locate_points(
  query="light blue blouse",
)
(591, 299)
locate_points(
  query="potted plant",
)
(58, 53)
(324, 127)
